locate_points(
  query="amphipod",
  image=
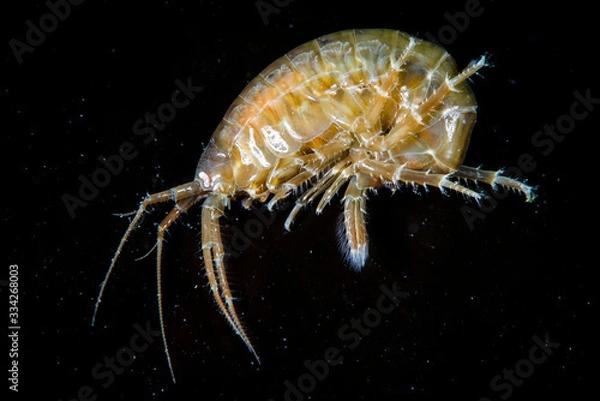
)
(357, 109)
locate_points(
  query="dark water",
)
(457, 301)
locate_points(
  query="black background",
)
(476, 296)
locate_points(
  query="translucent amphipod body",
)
(357, 109)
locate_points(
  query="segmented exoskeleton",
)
(360, 109)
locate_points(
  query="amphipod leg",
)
(214, 255)
(312, 165)
(341, 178)
(449, 85)
(394, 174)
(328, 179)
(494, 178)
(353, 239)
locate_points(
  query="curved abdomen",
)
(362, 82)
